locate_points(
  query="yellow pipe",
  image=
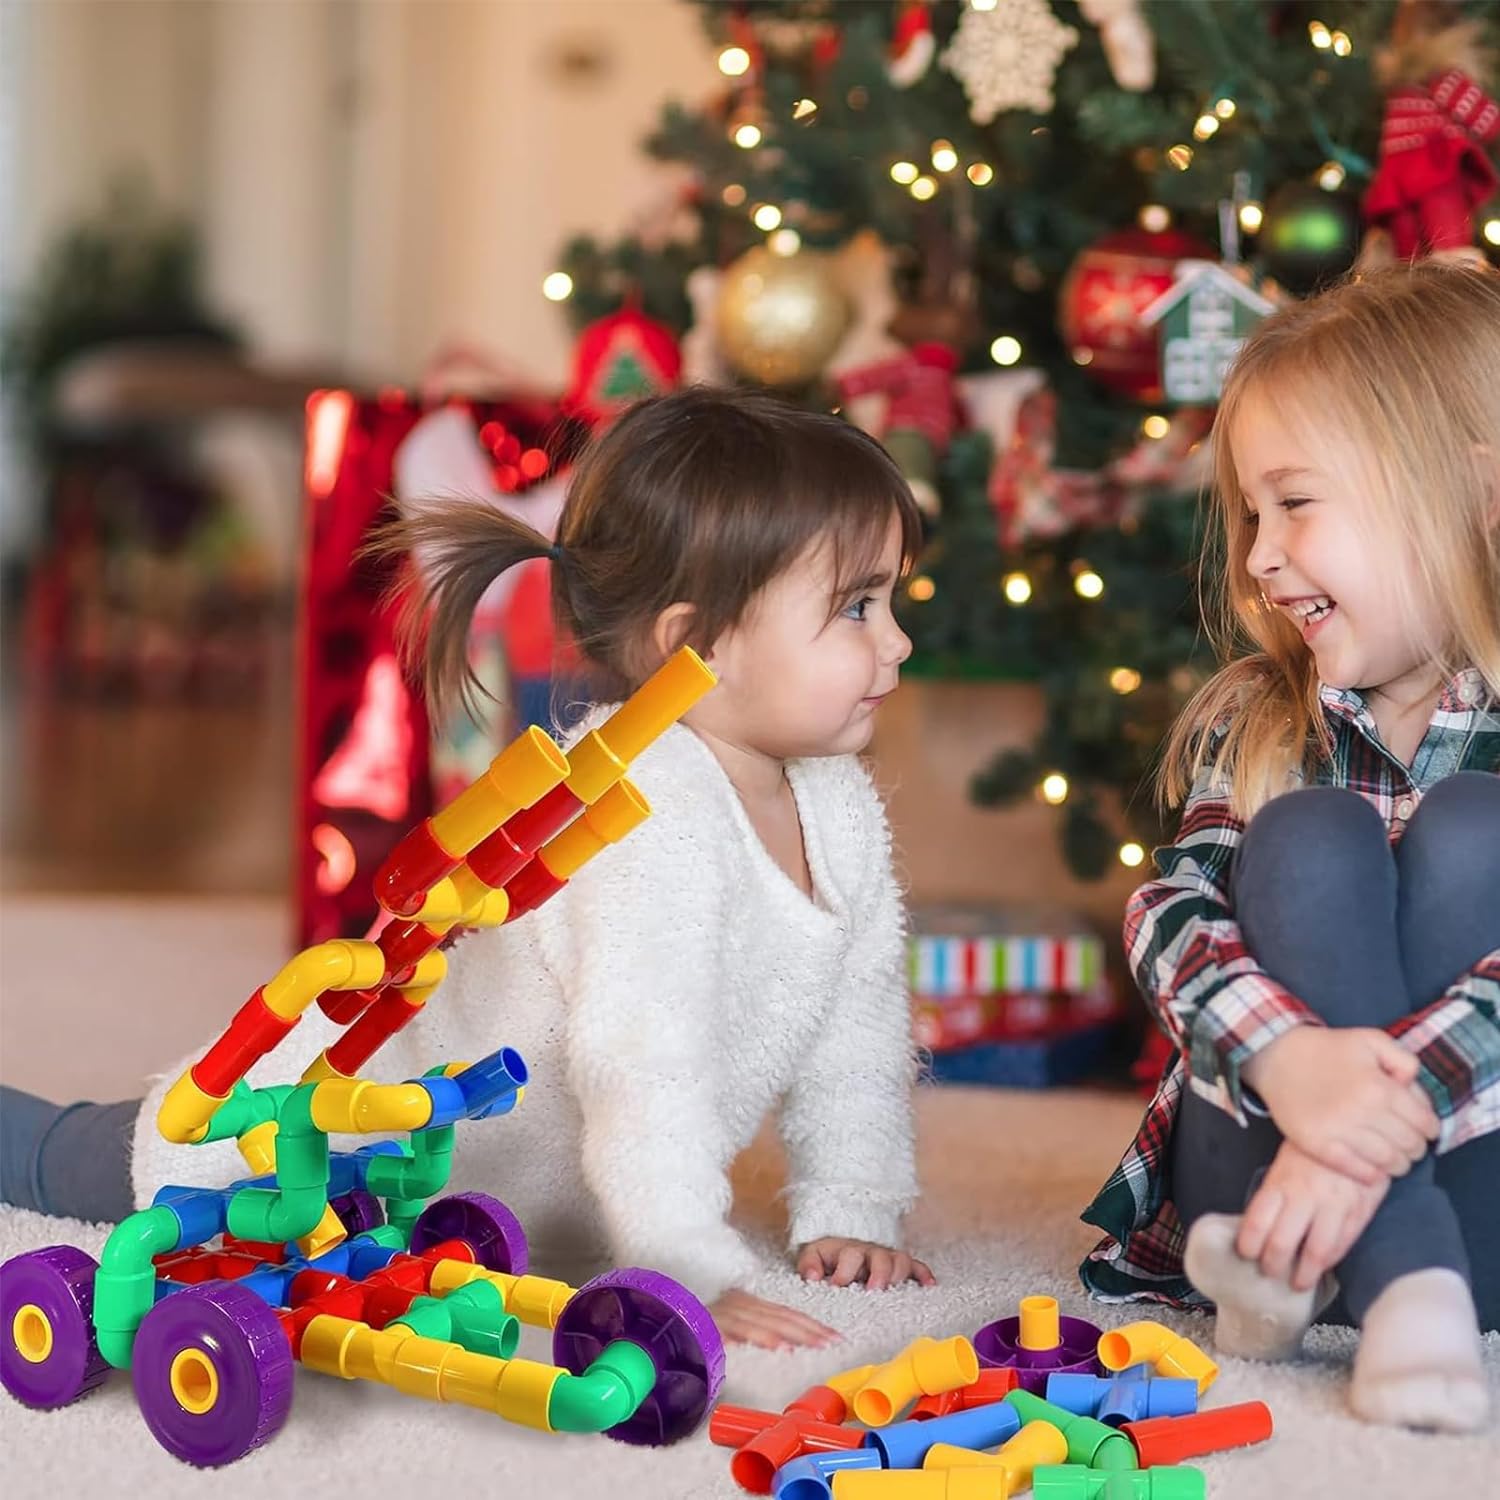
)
(1039, 1323)
(186, 1111)
(1037, 1443)
(525, 771)
(926, 1367)
(617, 811)
(355, 1106)
(517, 1390)
(1152, 1343)
(443, 903)
(601, 758)
(533, 1299)
(847, 1382)
(338, 964)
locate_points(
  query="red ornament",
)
(618, 360)
(1106, 290)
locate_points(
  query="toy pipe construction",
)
(608, 1392)
(570, 808)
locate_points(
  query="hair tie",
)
(555, 552)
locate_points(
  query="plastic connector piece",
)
(905, 1445)
(1090, 1443)
(991, 1386)
(811, 1476)
(1127, 1397)
(492, 1085)
(1168, 1440)
(1166, 1351)
(1075, 1482)
(926, 1367)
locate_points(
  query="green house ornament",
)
(1205, 316)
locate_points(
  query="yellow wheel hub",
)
(195, 1381)
(31, 1332)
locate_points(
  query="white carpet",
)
(1005, 1175)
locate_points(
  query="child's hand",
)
(1305, 1217)
(1348, 1097)
(842, 1262)
(744, 1319)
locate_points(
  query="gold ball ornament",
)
(780, 317)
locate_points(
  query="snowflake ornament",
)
(1006, 57)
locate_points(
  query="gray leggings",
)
(1364, 935)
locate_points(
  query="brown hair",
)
(699, 497)
(1405, 363)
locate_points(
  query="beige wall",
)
(371, 176)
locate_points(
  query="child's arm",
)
(846, 1120)
(1228, 1016)
(1189, 958)
(1456, 1040)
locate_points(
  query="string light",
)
(1205, 126)
(921, 588)
(1132, 854)
(1330, 176)
(1155, 217)
(1083, 356)
(923, 189)
(1006, 350)
(1124, 680)
(1252, 215)
(734, 61)
(1088, 584)
(1225, 108)
(734, 194)
(1181, 157)
(804, 109)
(1320, 36)
(944, 157)
(785, 242)
(982, 4)
(1017, 587)
(747, 136)
(1156, 426)
(981, 174)
(766, 217)
(1342, 46)
(1492, 231)
(557, 287)
(1054, 788)
(905, 172)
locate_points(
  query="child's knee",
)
(1456, 832)
(1315, 832)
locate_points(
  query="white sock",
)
(1259, 1318)
(1419, 1362)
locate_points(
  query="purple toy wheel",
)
(998, 1347)
(358, 1211)
(49, 1357)
(213, 1373)
(483, 1223)
(671, 1325)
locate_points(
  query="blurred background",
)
(268, 264)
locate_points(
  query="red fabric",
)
(921, 388)
(341, 836)
(1433, 170)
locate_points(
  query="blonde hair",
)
(1405, 365)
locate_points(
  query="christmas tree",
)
(947, 219)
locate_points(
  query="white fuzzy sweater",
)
(679, 988)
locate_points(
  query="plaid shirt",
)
(1220, 1007)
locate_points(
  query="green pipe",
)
(245, 1109)
(420, 1172)
(125, 1283)
(472, 1317)
(295, 1206)
(609, 1392)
